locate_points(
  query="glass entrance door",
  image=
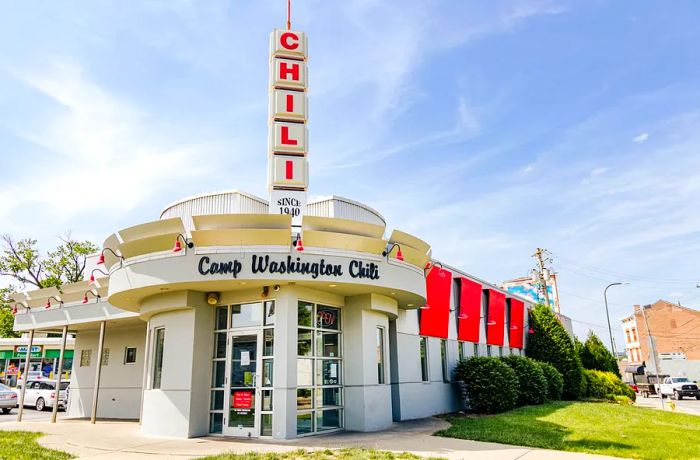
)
(243, 384)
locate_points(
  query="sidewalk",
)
(107, 440)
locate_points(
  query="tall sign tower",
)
(288, 169)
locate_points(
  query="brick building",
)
(676, 333)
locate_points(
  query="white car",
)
(8, 399)
(42, 394)
(677, 387)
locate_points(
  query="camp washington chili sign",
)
(290, 265)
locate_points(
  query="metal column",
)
(25, 375)
(100, 347)
(59, 374)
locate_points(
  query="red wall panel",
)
(435, 320)
(495, 317)
(517, 319)
(469, 305)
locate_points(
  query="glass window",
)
(130, 355)
(266, 429)
(328, 344)
(158, 343)
(217, 400)
(380, 356)
(304, 343)
(460, 350)
(304, 314)
(267, 400)
(221, 318)
(424, 359)
(269, 313)
(247, 314)
(216, 422)
(488, 350)
(329, 372)
(267, 373)
(305, 398)
(305, 372)
(305, 423)
(328, 420)
(443, 360)
(476, 349)
(218, 374)
(220, 345)
(327, 317)
(268, 342)
(329, 397)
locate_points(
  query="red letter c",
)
(289, 41)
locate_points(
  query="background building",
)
(675, 331)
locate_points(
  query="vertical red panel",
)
(469, 306)
(517, 320)
(495, 318)
(435, 320)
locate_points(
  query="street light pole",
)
(607, 314)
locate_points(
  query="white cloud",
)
(641, 138)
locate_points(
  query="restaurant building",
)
(236, 315)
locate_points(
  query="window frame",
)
(381, 362)
(424, 359)
(126, 355)
(157, 369)
(444, 361)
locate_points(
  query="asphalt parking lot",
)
(688, 406)
(30, 414)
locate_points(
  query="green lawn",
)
(22, 445)
(597, 428)
(327, 454)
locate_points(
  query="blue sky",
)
(486, 128)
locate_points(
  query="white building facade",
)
(234, 315)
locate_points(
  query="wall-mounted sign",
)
(281, 265)
(289, 202)
(21, 350)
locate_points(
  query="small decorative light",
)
(101, 260)
(85, 299)
(399, 255)
(298, 244)
(178, 246)
(531, 331)
(463, 316)
(425, 307)
(491, 323)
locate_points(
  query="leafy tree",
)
(594, 355)
(549, 342)
(7, 319)
(22, 261)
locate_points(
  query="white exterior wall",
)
(180, 407)
(120, 384)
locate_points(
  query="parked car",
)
(677, 387)
(42, 394)
(8, 399)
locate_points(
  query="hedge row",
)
(496, 385)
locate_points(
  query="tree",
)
(22, 261)
(549, 342)
(7, 319)
(594, 355)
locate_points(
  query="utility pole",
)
(541, 275)
(653, 352)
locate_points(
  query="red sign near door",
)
(242, 400)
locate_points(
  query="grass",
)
(22, 445)
(326, 454)
(596, 428)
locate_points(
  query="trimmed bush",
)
(491, 385)
(555, 382)
(533, 384)
(549, 342)
(594, 355)
(606, 385)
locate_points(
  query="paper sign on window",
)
(245, 358)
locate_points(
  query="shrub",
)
(555, 382)
(549, 342)
(532, 388)
(594, 355)
(491, 385)
(606, 385)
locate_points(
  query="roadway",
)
(686, 405)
